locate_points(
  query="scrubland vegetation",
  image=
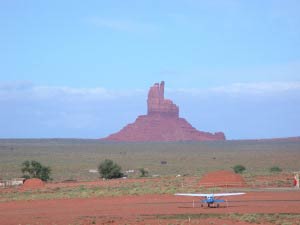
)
(178, 166)
(107, 189)
(71, 159)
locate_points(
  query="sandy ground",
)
(142, 209)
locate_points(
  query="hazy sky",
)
(83, 69)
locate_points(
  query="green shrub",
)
(275, 169)
(239, 168)
(143, 172)
(109, 170)
(34, 169)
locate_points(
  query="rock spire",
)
(162, 123)
(157, 104)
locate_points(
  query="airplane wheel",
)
(201, 205)
(218, 205)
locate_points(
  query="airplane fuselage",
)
(210, 200)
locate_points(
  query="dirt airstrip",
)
(141, 209)
(149, 208)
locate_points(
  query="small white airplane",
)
(211, 199)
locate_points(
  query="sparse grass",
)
(261, 218)
(148, 186)
(255, 218)
(72, 158)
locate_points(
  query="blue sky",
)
(74, 69)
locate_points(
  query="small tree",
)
(34, 169)
(275, 169)
(239, 168)
(109, 170)
(143, 172)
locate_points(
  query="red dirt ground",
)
(222, 178)
(33, 183)
(101, 183)
(141, 209)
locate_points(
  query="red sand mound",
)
(222, 178)
(33, 183)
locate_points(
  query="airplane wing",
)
(215, 195)
(228, 194)
(196, 195)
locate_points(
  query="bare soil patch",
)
(145, 209)
(222, 178)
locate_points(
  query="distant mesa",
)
(162, 123)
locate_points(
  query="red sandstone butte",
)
(162, 123)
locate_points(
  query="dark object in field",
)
(163, 162)
(34, 169)
(69, 181)
(239, 168)
(275, 169)
(108, 169)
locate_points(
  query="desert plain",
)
(77, 195)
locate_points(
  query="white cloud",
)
(26, 90)
(258, 88)
(48, 91)
(59, 111)
(20, 90)
(211, 77)
(15, 85)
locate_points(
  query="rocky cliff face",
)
(162, 123)
(158, 105)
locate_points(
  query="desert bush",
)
(34, 169)
(108, 169)
(239, 168)
(275, 169)
(143, 172)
